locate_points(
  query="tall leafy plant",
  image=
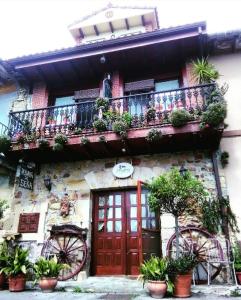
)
(171, 193)
(203, 71)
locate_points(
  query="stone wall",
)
(79, 179)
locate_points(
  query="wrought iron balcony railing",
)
(3, 129)
(50, 120)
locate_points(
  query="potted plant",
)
(204, 72)
(47, 272)
(100, 125)
(237, 261)
(150, 114)
(154, 135)
(102, 103)
(155, 272)
(3, 262)
(215, 114)
(179, 117)
(180, 270)
(17, 266)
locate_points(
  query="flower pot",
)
(2, 281)
(182, 286)
(157, 289)
(17, 283)
(238, 275)
(48, 284)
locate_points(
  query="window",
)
(166, 85)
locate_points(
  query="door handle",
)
(127, 231)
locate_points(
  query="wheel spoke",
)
(71, 245)
(79, 247)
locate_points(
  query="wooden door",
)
(116, 243)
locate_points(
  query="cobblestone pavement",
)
(5, 295)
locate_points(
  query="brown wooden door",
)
(115, 230)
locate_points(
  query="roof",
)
(118, 42)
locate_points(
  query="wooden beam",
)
(57, 72)
(96, 30)
(81, 33)
(143, 21)
(111, 27)
(127, 24)
(41, 74)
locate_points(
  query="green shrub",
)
(85, 140)
(179, 117)
(5, 143)
(215, 114)
(3, 207)
(58, 147)
(43, 143)
(102, 103)
(78, 131)
(100, 125)
(150, 114)
(61, 139)
(102, 139)
(119, 127)
(154, 135)
(127, 118)
(182, 265)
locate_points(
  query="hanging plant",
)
(214, 115)
(61, 139)
(102, 103)
(3, 207)
(154, 135)
(150, 114)
(203, 71)
(100, 125)
(179, 117)
(5, 143)
(78, 131)
(85, 140)
(120, 127)
(43, 143)
(58, 147)
(224, 158)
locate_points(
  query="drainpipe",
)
(225, 228)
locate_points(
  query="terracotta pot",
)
(17, 283)
(238, 275)
(48, 284)
(2, 281)
(157, 289)
(182, 286)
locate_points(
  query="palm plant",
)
(48, 268)
(204, 72)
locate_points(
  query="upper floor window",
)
(166, 85)
(66, 100)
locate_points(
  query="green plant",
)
(110, 116)
(120, 127)
(3, 255)
(77, 289)
(179, 117)
(171, 192)
(17, 262)
(215, 114)
(43, 143)
(100, 125)
(126, 117)
(3, 207)
(237, 256)
(5, 143)
(78, 131)
(181, 265)
(224, 158)
(102, 103)
(48, 268)
(155, 269)
(211, 215)
(27, 126)
(203, 71)
(154, 135)
(58, 147)
(235, 293)
(102, 139)
(61, 139)
(85, 140)
(150, 114)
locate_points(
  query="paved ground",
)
(5, 295)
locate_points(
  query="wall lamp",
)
(47, 182)
(102, 59)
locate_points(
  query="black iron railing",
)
(66, 118)
(3, 129)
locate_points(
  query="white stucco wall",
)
(229, 66)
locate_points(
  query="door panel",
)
(115, 241)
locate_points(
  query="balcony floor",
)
(188, 137)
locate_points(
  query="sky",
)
(33, 26)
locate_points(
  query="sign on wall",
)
(28, 223)
(26, 177)
(123, 170)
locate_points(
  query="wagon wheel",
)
(69, 248)
(198, 241)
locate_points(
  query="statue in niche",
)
(64, 206)
(107, 86)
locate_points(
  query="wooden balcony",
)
(69, 119)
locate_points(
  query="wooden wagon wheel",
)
(197, 241)
(68, 244)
